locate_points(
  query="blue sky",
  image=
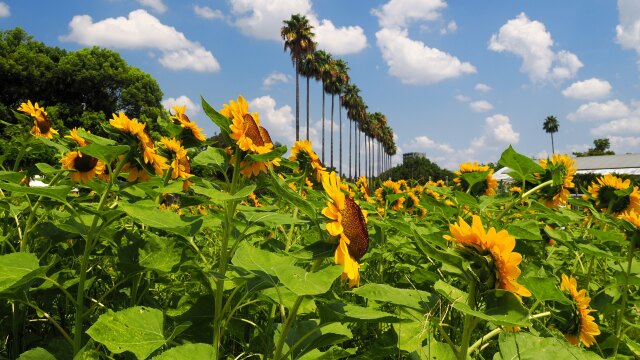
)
(458, 80)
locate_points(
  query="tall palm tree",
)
(309, 69)
(351, 101)
(331, 87)
(323, 60)
(297, 34)
(342, 77)
(551, 126)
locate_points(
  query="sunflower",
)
(498, 245)
(41, 124)
(304, 154)
(486, 187)
(389, 187)
(632, 217)
(584, 329)
(347, 223)
(184, 122)
(180, 165)
(557, 195)
(245, 127)
(73, 135)
(603, 194)
(83, 166)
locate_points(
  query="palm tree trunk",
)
(340, 140)
(297, 101)
(323, 163)
(553, 150)
(332, 104)
(350, 149)
(307, 107)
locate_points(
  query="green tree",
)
(600, 147)
(297, 34)
(550, 126)
(418, 169)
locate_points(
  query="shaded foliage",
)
(418, 169)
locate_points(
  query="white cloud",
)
(450, 28)
(628, 31)
(480, 106)
(462, 98)
(4, 10)
(619, 126)
(339, 41)
(274, 78)
(142, 30)
(424, 142)
(590, 89)
(398, 14)
(497, 133)
(280, 122)
(482, 87)
(207, 12)
(594, 111)
(156, 5)
(192, 108)
(624, 144)
(262, 19)
(413, 62)
(532, 42)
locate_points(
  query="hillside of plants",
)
(147, 242)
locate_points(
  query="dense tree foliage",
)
(418, 169)
(79, 88)
(600, 147)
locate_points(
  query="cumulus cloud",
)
(398, 14)
(274, 78)
(480, 106)
(413, 62)
(155, 5)
(531, 41)
(482, 87)
(208, 13)
(619, 126)
(5, 11)
(591, 89)
(628, 31)
(262, 19)
(462, 98)
(594, 111)
(450, 28)
(142, 30)
(192, 108)
(424, 142)
(340, 41)
(624, 144)
(280, 122)
(497, 133)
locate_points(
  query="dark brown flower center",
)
(251, 130)
(355, 229)
(85, 163)
(43, 126)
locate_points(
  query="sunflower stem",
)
(469, 322)
(632, 247)
(23, 150)
(524, 196)
(292, 315)
(24, 245)
(230, 208)
(84, 261)
(165, 182)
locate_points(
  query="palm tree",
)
(551, 126)
(297, 34)
(308, 69)
(323, 60)
(351, 101)
(342, 81)
(331, 87)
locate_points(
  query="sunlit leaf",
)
(188, 352)
(522, 167)
(413, 298)
(16, 267)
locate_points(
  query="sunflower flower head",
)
(303, 153)
(41, 124)
(496, 247)
(581, 327)
(184, 121)
(348, 224)
(83, 167)
(486, 186)
(611, 193)
(80, 141)
(559, 166)
(180, 166)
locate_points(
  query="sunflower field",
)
(125, 254)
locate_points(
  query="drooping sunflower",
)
(303, 153)
(602, 193)
(390, 187)
(73, 135)
(41, 124)
(485, 187)
(557, 195)
(498, 245)
(186, 123)
(583, 327)
(349, 225)
(83, 167)
(180, 166)
(632, 217)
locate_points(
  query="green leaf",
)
(217, 195)
(148, 214)
(11, 176)
(545, 289)
(474, 177)
(524, 229)
(94, 139)
(254, 260)
(211, 156)
(137, 329)
(217, 118)
(277, 152)
(522, 167)
(525, 346)
(106, 153)
(334, 353)
(36, 354)
(282, 190)
(58, 192)
(338, 311)
(302, 282)
(308, 335)
(47, 169)
(188, 352)
(14, 267)
(416, 299)
(159, 253)
(271, 218)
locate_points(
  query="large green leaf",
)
(36, 354)
(58, 192)
(138, 329)
(416, 299)
(277, 152)
(282, 190)
(218, 196)
(15, 267)
(159, 253)
(308, 335)
(148, 214)
(522, 167)
(524, 229)
(106, 153)
(188, 352)
(334, 353)
(211, 156)
(302, 282)
(271, 218)
(525, 346)
(338, 311)
(12, 176)
(254, 260)
(544, 289)
(222, 121)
